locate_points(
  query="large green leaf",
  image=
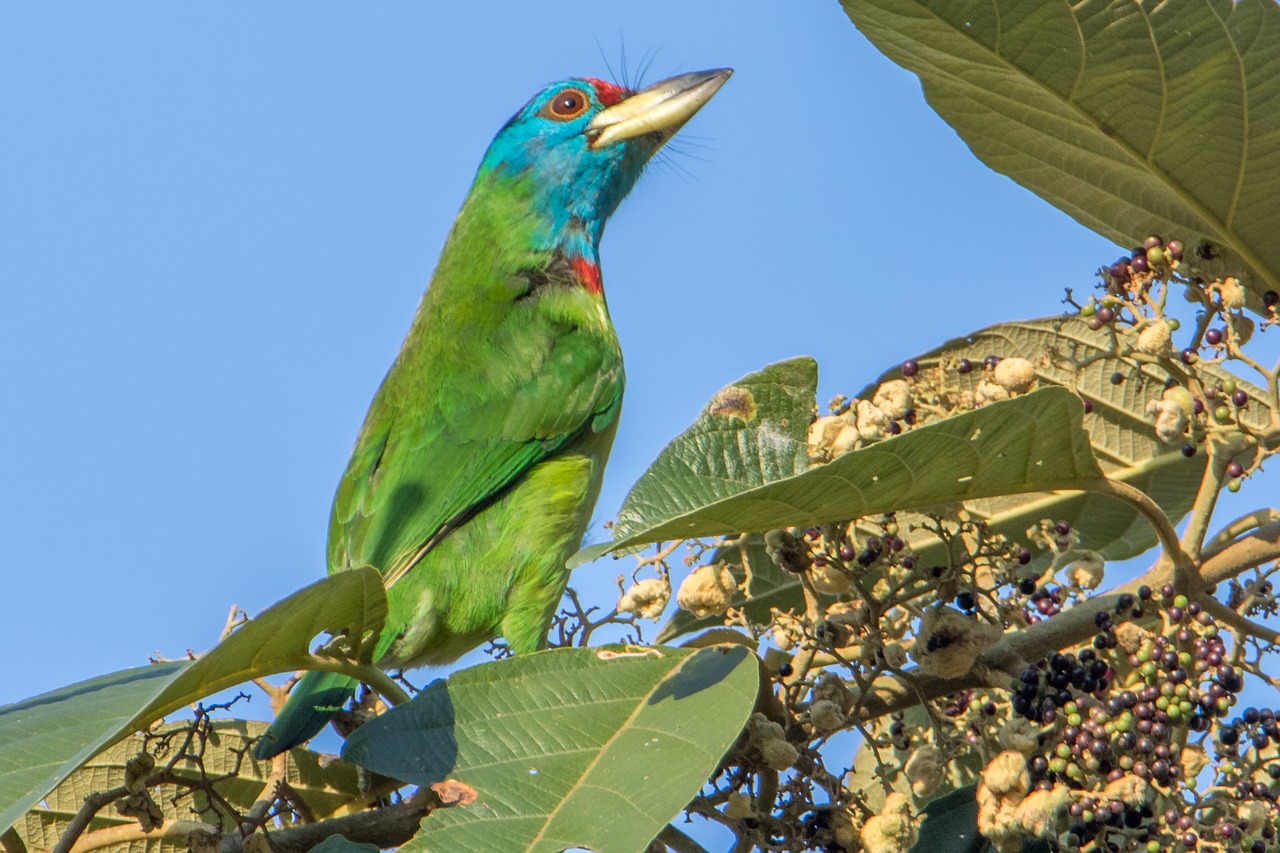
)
(1132, 117)
(595, 748)
(1030, 443)
(1120, 431)
(224, 756)
(45, 738)
(753, 432)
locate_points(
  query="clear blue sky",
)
(216, 221)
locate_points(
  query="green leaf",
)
(1030, 443)
(950, 824)
(752, 432)
(1120, 431)
(1133, 118)
(597, 748)
(240, 781)
(44, 739)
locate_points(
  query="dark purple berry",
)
(1188, 450)
(965, 365)
(1139, 263)
(1152, 242)
(1235, 469)
(1105, 314)
(1197, 406)
(1189, 356)
(1240, 398)
(1024, 556)
(1213, 337)
(1117, 378)
(1120, 270)
(1026, 586)
(910, 367)
(1175, 249)
(1270, 298)
(1062, 528)
(991, 361)
(967, 601)
(1144, 592)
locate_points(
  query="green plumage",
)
(481, 457)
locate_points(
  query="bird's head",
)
(581, 144)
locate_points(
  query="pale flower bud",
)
(895, 655)
(1242, 326)
(1016, 375)
(829, 579)
(893, 398)
(1007, 775)
(1020, 736)
(989, 392)
(1037, 815)
(873, 424)
(825, 716)
(893, 829)
(949, 642)
(1232, 294)
(1087, 572)
(760, 729)
(708, 591)
(647, 599)
(925, 770)
(1171, 420)
(738, 806)
(1155, 339)
(779, 754)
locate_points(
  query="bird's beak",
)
(660, 109)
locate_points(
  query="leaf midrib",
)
(1220, 228)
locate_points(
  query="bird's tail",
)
(315, 699)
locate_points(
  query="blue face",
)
(576, 186)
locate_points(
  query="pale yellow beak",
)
(660, 109)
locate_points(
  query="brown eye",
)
(568, 104)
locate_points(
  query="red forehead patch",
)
(608, 93)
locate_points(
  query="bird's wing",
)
(420, 471)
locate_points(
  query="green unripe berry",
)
(1222, 415)
(1155, 256)
(1173, 323)
(1233, 486)
(1088, 309)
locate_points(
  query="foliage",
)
(926, 569)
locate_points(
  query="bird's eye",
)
(568, 104)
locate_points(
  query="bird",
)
(478, 465)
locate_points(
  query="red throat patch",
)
(589, 274)
(606, 92)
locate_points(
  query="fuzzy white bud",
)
(707, 591)
(647, 599)
(893, 398)
(1016, 375)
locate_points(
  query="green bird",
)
(475, 473)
